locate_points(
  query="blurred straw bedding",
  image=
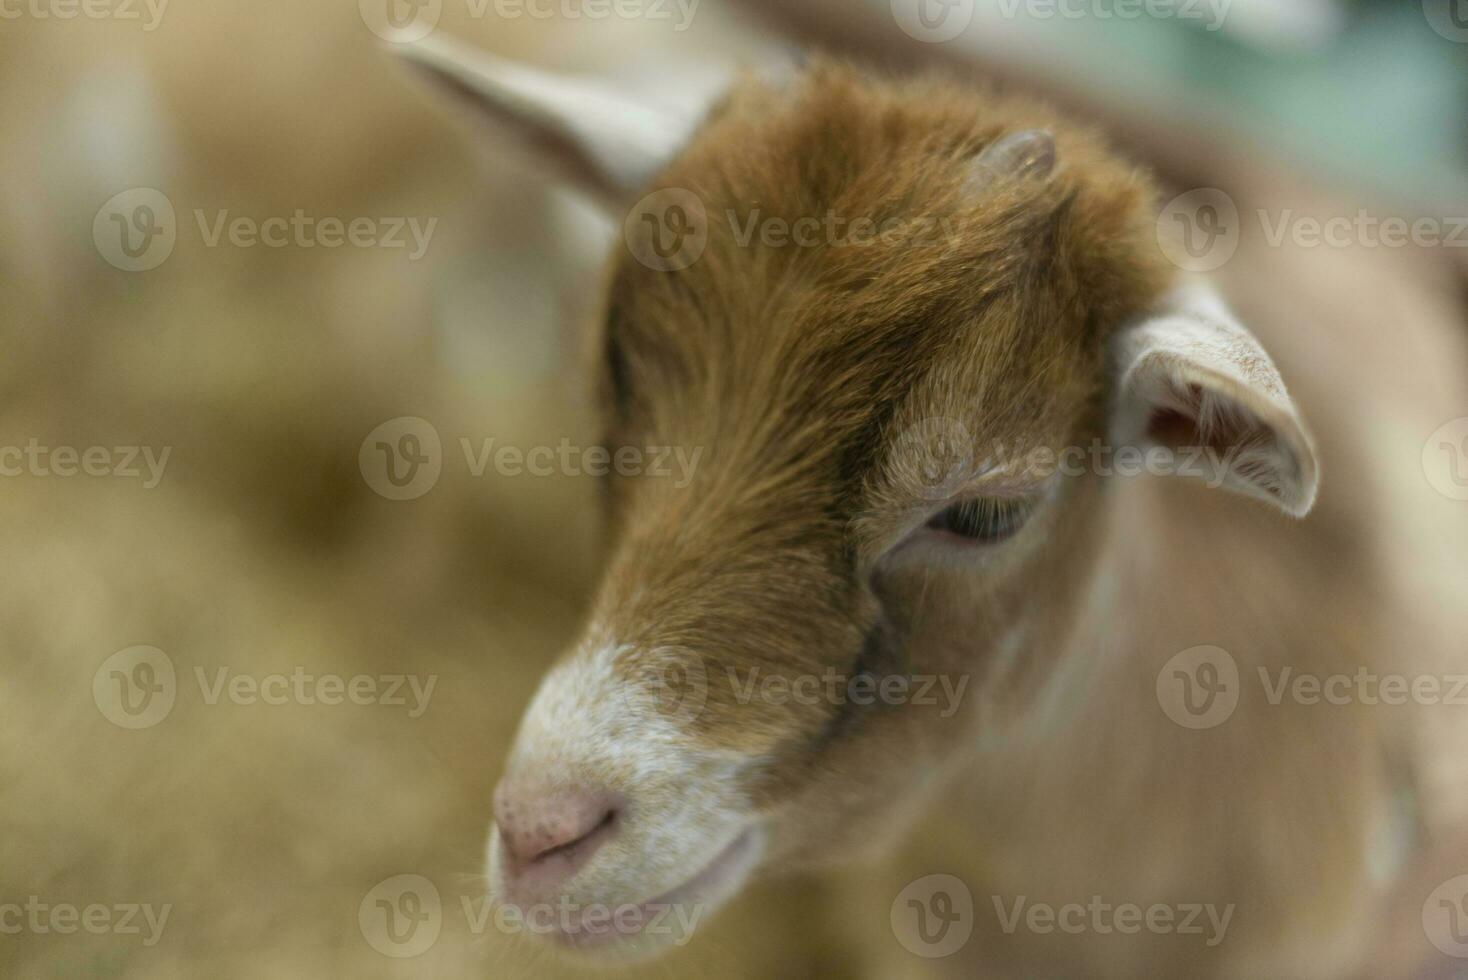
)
(261, 550)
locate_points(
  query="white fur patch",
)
(583, 729)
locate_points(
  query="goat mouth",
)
(670, 918)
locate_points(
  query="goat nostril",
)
(552, 833)
(586, 842)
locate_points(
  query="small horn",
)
(1027, 154)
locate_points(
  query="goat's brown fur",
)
(799, 370)
(797, 367)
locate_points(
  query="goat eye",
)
(985, 519)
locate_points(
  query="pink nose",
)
(548, 834)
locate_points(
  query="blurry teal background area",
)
(1372, 93)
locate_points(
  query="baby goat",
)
(920, 332)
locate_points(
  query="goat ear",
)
(1193, 376)
(605, 142)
